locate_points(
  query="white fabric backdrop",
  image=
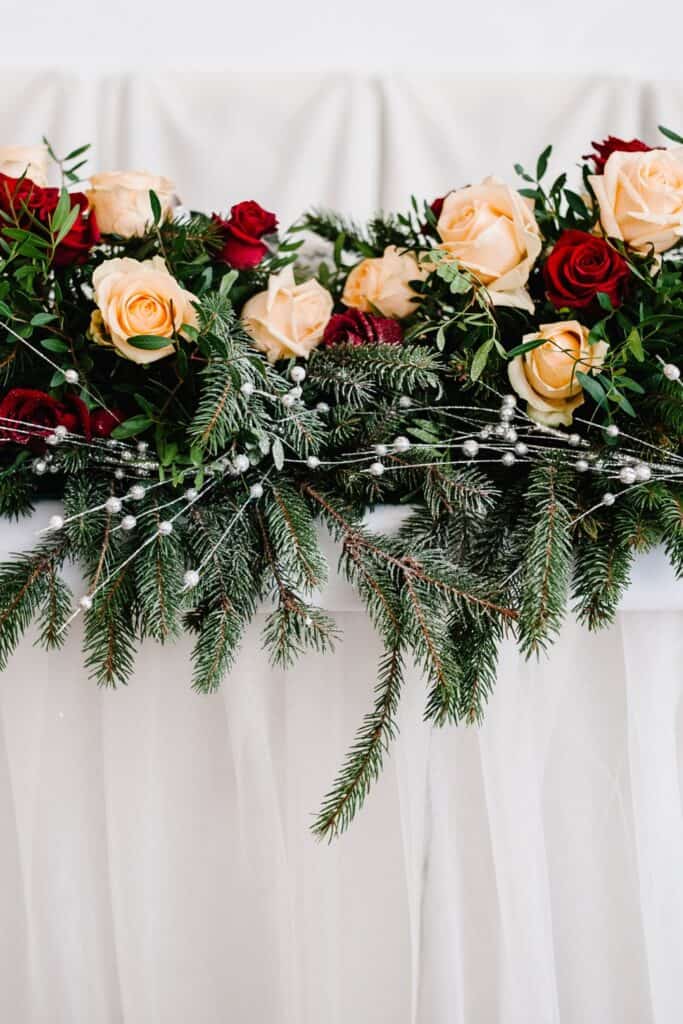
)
(156, 866)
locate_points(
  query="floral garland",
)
(199, 392)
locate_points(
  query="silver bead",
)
(499, 430)
(470, 448)
(119, 474)
(511, 435)
(39, 467)
(612, 430)
(401, 444)
(256, 491)
(643, 473)
(671, 372)
(509, 401)
(86, 602)
(405, 402)
(521, 448)
(322, 408)
(127, 456)
(574, 440)
(298, 374)
(52, 440)
(56, 522)
(296, 392)
(508, 458)
(627, 475)
(191, 493)
(485, 433)
(376, 468)
(113, 505)
(288, 400)
(241, 463)
(191, 579)
(507, 413)
(137, 492)
(165, 528)
(61, 430)
(581, 466)
(71, 376)
(128, 523)
(312, 461)
(54, 468)
(381, 450)
(608, 498)
(142, 447)
(247, 388)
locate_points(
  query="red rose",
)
(604, 149)
(102, 421)
(28, 416)
(580, 266)
(357, 328)
(436, 206)
(23, 200)
(248, 223)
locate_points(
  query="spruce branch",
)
(547, 562)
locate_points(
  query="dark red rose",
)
(580, 266)
(357, 328)
(243, 231)
(604, 149)
(436, 206)
(102, 421)
(28, 416)
(25, 202)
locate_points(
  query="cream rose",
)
(383, 284)
(491, 231)
(139, 297)
(121, 201)
(288, 319)
(640, 196)
(546, 376)
(28, 161)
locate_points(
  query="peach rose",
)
(139, 297)
(288, 319)
(640, 196)
(121, 202)
(383, 284)
(28, 161)
(491, 231)
(546, 376)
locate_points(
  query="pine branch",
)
(547, 562)
(28, 584)
(364, 761)
(601, 575)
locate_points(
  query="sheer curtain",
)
(156, 863)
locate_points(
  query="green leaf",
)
(150, 342)
(634, 343)
(542, 163)
(156, 207)
(593, 387)
(54, 345)
(604, 301)
(670, 134)
(480, 359)
(519, 350)
(227, 282)
(132, 426)
(42, 318)
(67, 225)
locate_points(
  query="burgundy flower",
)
(26, 202)
(357, 328)
(27, 416)
(102, 421)
(604, 150)
(436, 206)
(580, 266)
(243, 248)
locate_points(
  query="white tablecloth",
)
(156, 866)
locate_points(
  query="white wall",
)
(607, 36)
